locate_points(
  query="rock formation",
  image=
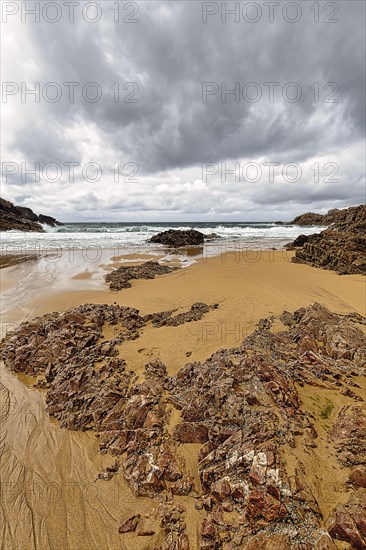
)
(311, 218)
(121, 277)
(341, 248)
(242, 407)
(177, 238)
(22, 219)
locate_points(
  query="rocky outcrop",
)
(76, 337)
(310, 218)
(299, 241)
(48, 220)
(121, 277)
(242, 406)
(341, 248)
(177, 238)
(21, 218)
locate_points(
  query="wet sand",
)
(49, 496)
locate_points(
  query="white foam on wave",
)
(48, 228)
(121, 238)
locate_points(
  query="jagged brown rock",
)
(341, 248)
(310, 218)
(242, 405)
(121, 277)
(348, 523)
(357, 477)
(130, 524)
(349, 435)
(197, 311)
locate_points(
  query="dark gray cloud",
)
(170, 131)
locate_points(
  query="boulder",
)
(178, 237)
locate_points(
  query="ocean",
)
(133, 237)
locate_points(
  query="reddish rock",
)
(220, 489)
(356, 507)
(174, 528)
(274, 491)
(239, 491)
(257, 474)
(357, 476)
(130, 524)
(191, 432)
(169, 466)
(342, 527)
(208, 528)
(349, 435)
(181, 487)
(207, 502)
(262, 504)
(136, 410)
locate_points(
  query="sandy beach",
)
(51, 498)
(182, 276)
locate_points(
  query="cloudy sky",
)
(133, 119)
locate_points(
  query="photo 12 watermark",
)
(219, 333)
(70, 92)
(270, 12)
(71, 12)
(68, 171)
(253, 92)
(270, 172)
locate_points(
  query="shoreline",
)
(63, 281)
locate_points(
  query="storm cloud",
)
(184, 84)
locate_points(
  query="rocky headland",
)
(20, 218)
(311, 218)
(265, 441)
(341, 247)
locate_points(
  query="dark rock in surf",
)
(177, 238)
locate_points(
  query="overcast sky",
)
(171, 132)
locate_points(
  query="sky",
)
(183, 110)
